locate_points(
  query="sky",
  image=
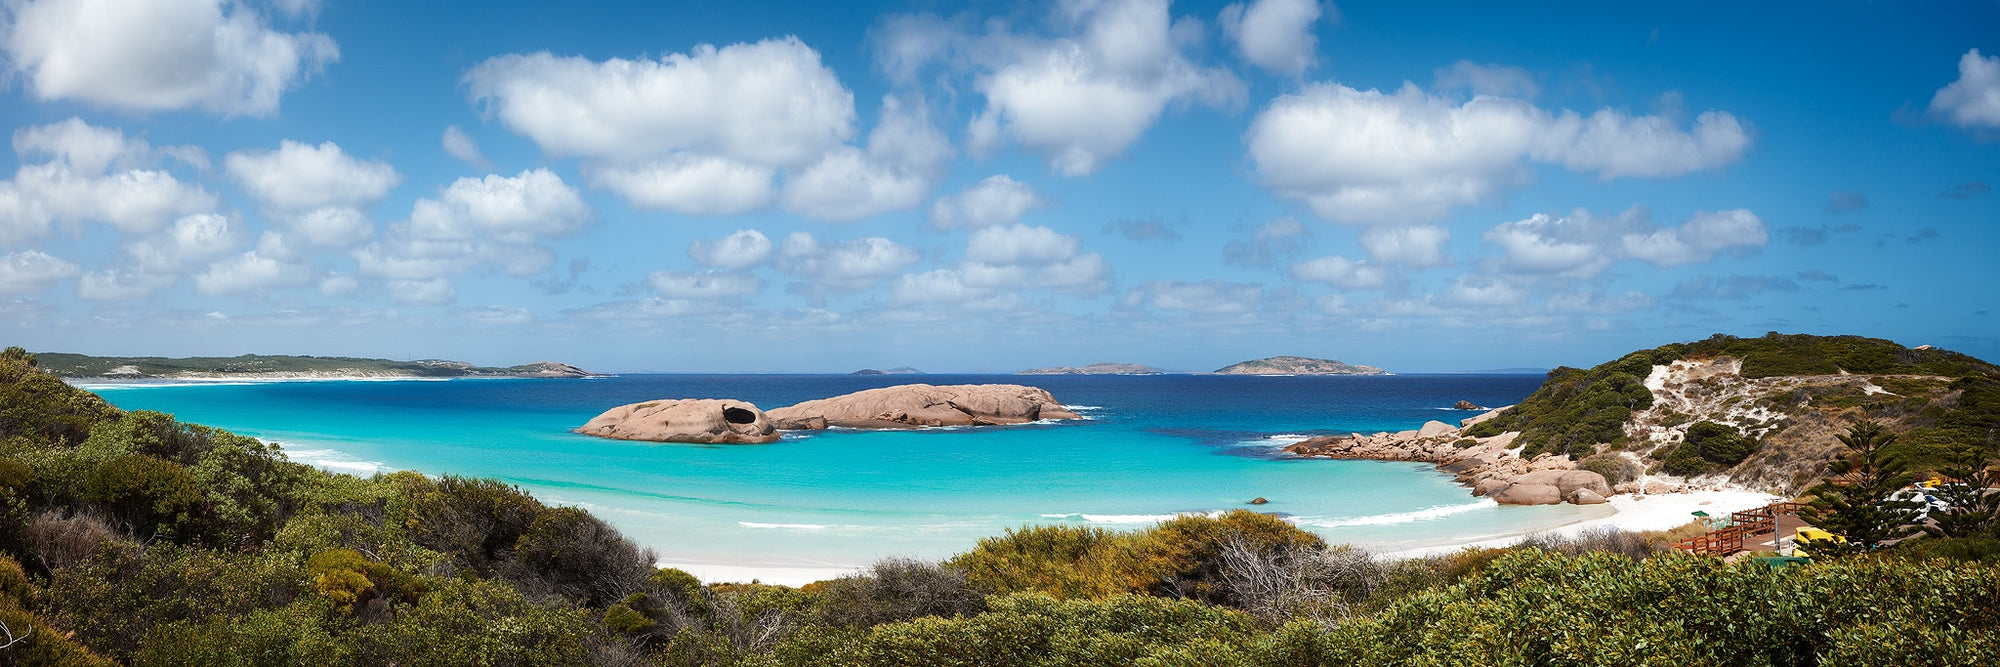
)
(986, 186)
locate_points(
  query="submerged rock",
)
(696, 420)
(917, 405)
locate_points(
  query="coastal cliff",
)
(1724, 413)
(1289, 365)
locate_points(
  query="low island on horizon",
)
(287, 367)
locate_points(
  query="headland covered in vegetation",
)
(285, 367)
(131, 538)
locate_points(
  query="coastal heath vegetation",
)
(131, 538)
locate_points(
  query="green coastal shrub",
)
(1031, 629)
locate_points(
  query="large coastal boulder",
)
(697, 420)
(1548, 487)
(917, 405)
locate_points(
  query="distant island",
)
(1099, 368)
(285, 367)
(1297, 366)
(899, 370)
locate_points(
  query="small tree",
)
(1971, 503)
(1858, 500)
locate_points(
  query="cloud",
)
(1081, 96)
(995, 200)
(1699, 239)
(301, 176)
(770, 103)
(1804, 237)
(690, 184)
(1487, 79)
(1370, 157)
(1274, 34)
(1733, 287)
(460, 145)
(120, 285)
(1842, 201)
(1010, 259)
(1966, 190)
(1483, 291)
(704, 284)
(843, 265)
(1342, 272)
(494, 220)
(1209, 298)
(1583, 245)
(1816, 275)
(1417, 246)
(1279, 238)
(92, 174)
(251, 272)
(189, 241)
(741, 249)
(27, 271)
(1019, 244)
(152, 55)
(429, 292)
(1142, 229)
(1973, 101)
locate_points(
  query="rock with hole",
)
(695, 420)
(920, 405)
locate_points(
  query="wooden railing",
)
(1747, 523)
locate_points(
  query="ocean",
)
(1151, 447)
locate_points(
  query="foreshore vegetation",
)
(132, 538)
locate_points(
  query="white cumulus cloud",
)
(299, 176)
(995, 200)
(1415, 246)
(1342, 272)
(1080, 96)
(1973, 101)
(771, 103)
(1274, 34)
(1700, 238)
(843, 265)
(92, 174)
(690, 184)
(704, 284)
(149, 55)
(31, 270)
(496, 220)
(460, 145)
(1019, 244)
(1371, 157)
(741, 249)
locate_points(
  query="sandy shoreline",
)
(1633, 513)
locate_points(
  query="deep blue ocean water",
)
(1153, 446)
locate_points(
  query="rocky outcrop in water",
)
(1297, 366)
(696, 420)
(919, 405)
(1487, 465)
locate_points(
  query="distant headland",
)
(899, 370)
(1288, 365)
(1099, 368)
(286, 367)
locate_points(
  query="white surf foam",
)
(1429, 514)
(784, 526)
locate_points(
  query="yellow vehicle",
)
(1803, 542)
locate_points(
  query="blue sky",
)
(819, 187)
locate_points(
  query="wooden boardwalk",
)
(1750, 530)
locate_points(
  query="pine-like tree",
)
(1972, 506)
(1858, 500)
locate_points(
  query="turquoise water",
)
(1152, 447)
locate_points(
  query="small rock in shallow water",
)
(1259, 500)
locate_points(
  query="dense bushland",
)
(130, 538)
